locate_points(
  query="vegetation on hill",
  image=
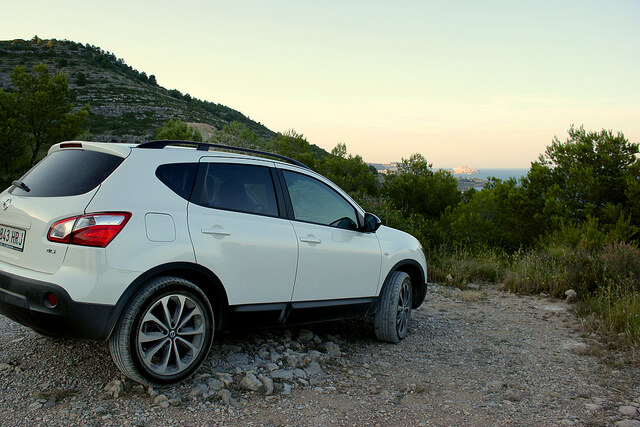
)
(573, 222)
(125, 105)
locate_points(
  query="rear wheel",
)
(394, 313)
(165, 332)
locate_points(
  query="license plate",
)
(12, 238)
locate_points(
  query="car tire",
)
(394, 312)
(164, 333)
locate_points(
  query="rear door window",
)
(67, 173)
(236, 187)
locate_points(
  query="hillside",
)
(126, 105)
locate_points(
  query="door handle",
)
(310, 238)
(216, 230)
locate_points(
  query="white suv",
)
(156, 247)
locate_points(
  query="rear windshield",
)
(67, 173)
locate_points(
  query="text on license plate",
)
(12, 238)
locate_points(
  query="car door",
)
(238, 233)
(335, 260)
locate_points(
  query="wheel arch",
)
(418, 280)
(197, 274)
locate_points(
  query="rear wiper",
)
(21, 185)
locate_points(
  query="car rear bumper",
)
(27, 301)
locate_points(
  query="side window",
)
(179, 177)
(314, 201)
(234, 187)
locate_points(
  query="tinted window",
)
(314, 201)
(242, 188)
(179, 177)
(68, 173)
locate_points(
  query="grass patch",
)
(607, 280)
(464, 266)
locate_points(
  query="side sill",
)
(255, 316)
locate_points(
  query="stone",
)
(272, 367)
(317, 340)
(175, 401)
(198, 390)
(573, 346)
(114, 388)
(286, 389)
(473, 286)
(331, 348)
(227, 379)
(238, 359)
(5, 367)
(592, 406)
(231, 348)
(251, 383)
(162, 401)
(628, 411)
(215, 384)
(275, 356)
(305, 335)
(292, 361)
(316, 356)
(282, 374)
(34, 406)
(299, 373)
(571, 296)
(225, 396)
(152, 392)
(495, 385)
(267, 383)
(313, 369)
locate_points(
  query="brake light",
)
(97, 229)
(71, 145)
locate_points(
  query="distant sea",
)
(500, 173)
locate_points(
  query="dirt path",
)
(472, 358)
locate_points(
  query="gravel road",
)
(476, 357)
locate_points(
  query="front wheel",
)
(165, 332)
(394, 313)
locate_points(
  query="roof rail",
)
(204, 146)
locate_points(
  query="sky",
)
(478, 83)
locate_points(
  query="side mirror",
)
(371, 223)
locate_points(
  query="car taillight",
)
(97, 229)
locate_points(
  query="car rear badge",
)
(6, 204)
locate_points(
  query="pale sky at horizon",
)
(485, 84)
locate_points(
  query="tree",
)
(590, 175)
(416, 188)
(43, 107)
(235, 134)
(13, 144)
(295, 145)
(178, 130)
(351, 173)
